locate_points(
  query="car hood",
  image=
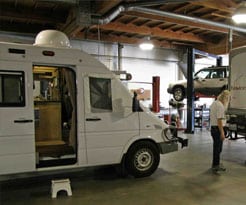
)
(178, 82)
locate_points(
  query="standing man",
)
(217, 121)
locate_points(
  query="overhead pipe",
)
(156, 2)
(188, 18)
(112, 16)
(130, 6)
(122, 8)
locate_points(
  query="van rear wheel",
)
(142, 159)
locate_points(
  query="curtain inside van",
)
(69, 90)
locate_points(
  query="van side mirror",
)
(135, 103)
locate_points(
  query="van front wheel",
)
(142, 159)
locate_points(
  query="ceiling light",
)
(240, 14)
(146, 44)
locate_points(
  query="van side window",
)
(12, 89)
(100, 94)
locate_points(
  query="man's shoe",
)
(215, 169)
(222, 168)
(218, 168)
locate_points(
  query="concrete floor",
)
(183, 178)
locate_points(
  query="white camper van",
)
(61, 108)
(237, 85)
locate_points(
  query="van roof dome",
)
(52, 38)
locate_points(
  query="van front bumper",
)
(172, 146)
(166, 147)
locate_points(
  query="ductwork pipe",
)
(120, 9)
(183, 17)
(112, 16)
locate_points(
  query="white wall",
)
(142, 65)
(143, 71)
(207, 62)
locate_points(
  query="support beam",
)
(156, 94)
(190, 91)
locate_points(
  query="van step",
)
(54, 150)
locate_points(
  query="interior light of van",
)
(48, 53)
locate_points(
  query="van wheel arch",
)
(142, 158)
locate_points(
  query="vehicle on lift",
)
(60, 109)
(237, 85)
(207, 82)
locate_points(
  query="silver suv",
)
(207, 82)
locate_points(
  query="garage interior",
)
(187, 36)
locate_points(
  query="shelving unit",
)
(202, 117)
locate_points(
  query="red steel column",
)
(156, 94)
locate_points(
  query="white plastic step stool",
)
(58, 185)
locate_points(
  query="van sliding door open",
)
(54, 95)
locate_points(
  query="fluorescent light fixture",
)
(240, 14)
(146, 45)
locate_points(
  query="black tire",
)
(178, 93)
(142, 159)
(121, 168)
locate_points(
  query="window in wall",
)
(100, 94)
(12, 89)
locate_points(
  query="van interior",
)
(54, 95)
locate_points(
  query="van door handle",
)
(93, 119)
(23, 121)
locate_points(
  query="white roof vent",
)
(52, 38)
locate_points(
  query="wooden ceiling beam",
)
(10, 14)
(220, 15)
(123, 39)
(157, 32)
(218, 5)
(180, 22)
(182, 8)
(222, 47)
(103, 6)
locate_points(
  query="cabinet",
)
(202, 117)
(48, 122)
